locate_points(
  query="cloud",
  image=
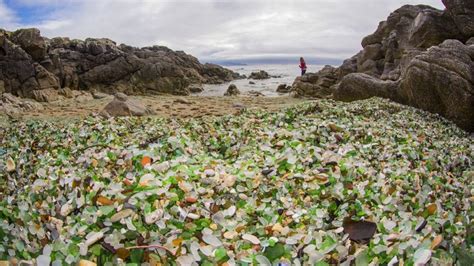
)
(223, 29)
(7, 16)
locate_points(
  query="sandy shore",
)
(165, 106)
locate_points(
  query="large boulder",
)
(283, 88)
(121, 105)
(12, 105)
(259, 75)
(232, 90)
(316, 84)
(31, 41)
(359, 86)
(441, 80)
(196, 88)
(46, 95)
(215, 74)
(462, 12)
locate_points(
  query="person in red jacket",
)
(302, 66)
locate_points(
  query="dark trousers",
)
(303, 71)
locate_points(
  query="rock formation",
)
(196, 88)
(283, 88)
(259, 75)
(35, 67)
(315, 85)
(11, 105)
(255, 93)
(232, 90)
(419, 56)
(121, 105)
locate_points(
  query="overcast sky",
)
(213, 29)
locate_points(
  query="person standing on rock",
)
(302, 66)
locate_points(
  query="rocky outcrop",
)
(441, 80)
(283, 88)
(255, 93)
(358, 86)
(12, 105)
(315, 84)
(419, 56)
(122, 105)
(259, 75)
(462, 12)
(36, 67)
(196, 88)
(232, 90)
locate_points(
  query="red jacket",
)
(302, 65)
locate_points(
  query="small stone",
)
(10, 165)
(251, 238)
(121, 215)
(182, 101)
(86, 263)
(230, 234)
(432, 208)
(154, 216)
(436, 242)
(193, 216)
(190, 199)
(232, 90)
(66, 209)
(43, 260)
(93, 237)
(277, 228)
(334, 128)
(211, 240)
(229, 180)
(209, 172)
(121, 96)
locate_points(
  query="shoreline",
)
(167, 106)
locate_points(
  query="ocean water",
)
(268, 87)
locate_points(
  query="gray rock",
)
(31, 41)
(259, 75)
(66, 92)
(470, 41)
(121, 105)
(239, 106)
(232, 90)
(441, 80)
(30, 63)
(255, 93)
(46, 95)
(99, 95)
(196, 88)
(82, 96)
(120, 96)
(10, 104)
(283, 88)
(359, 86)
(462, 12)
(315, 84)
(182, 101)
